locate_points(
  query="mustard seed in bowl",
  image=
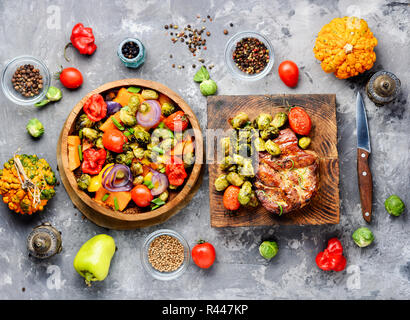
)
(166, 253)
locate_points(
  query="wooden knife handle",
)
(365, 183)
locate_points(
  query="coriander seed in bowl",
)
(165, 254)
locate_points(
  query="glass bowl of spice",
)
(25, 80)
(249, 55)
(131, 52)
(165, 254)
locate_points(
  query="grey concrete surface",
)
(381, 271)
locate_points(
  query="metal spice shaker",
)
(44, 241)
(383, 87)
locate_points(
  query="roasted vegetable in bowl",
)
(27, 183)
(141, 150)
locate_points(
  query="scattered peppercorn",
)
(251, 55)
(130, 50)
(27, 80)
(166, 27)
(231, 24)
(166, 253)
(225, 31)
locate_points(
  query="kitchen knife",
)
(363, 152)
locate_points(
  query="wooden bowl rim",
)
(165, 210)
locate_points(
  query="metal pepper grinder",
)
(383, 87)
(44, 241)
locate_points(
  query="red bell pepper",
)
(93, 160)
(332, 257)
(83, 39)
(175, 171)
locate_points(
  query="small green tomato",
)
(394, 205)
(363, 237)
(208, 87)
(268, 249)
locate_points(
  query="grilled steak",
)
(287, 182)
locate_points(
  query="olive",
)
(234, 179)
(304, 142)
(221, 183)
(272, 148)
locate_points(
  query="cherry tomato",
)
(141, 195)
(177, 121)
(299, 121)
(289, 73)
(95, 107)
(71, 78)
(230, 198)
(203, 254)
(114, 140)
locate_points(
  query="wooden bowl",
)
(104, 216)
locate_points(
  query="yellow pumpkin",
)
(345, 47)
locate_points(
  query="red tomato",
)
(299, 121)
(95, 107)
(203, 254)
(141, 195)
(289, 73)
(175, 171)
(114, 140)
(230, 198)
(177, 121)
(71, 78)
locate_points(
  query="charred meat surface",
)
(287, 182)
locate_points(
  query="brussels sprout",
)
(240, 120)
(90, 134)
(83, 122)
(167, 144)
(98, 143)
(221, 183)
(127, 117)
(138, 180)
(167, 109)
(234, 179)
(269, 133)
(304, 142)
(268, 249)
(279, 120)
(149, 94)
(164, 196)
(160, 134)
(35, 128)
(238, 159)
(208, 87)
(84, 181)
(138, 153)
(363, 237)
(142, 136)
(259, 144)
(47, 194)
(148, 154)
(272, 148)
(189, 159)
(136, 169)
(247, 169)
(110, 157)
(394, 205)
(245, 193)
(125, 158)
(134, 102)
(254, 202)
(225, 145)
(262, 121)
(226, 163)
(54, 94)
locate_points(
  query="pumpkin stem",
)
(348, 48)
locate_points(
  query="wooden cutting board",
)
(324, 207)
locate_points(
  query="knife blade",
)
(363, 152)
